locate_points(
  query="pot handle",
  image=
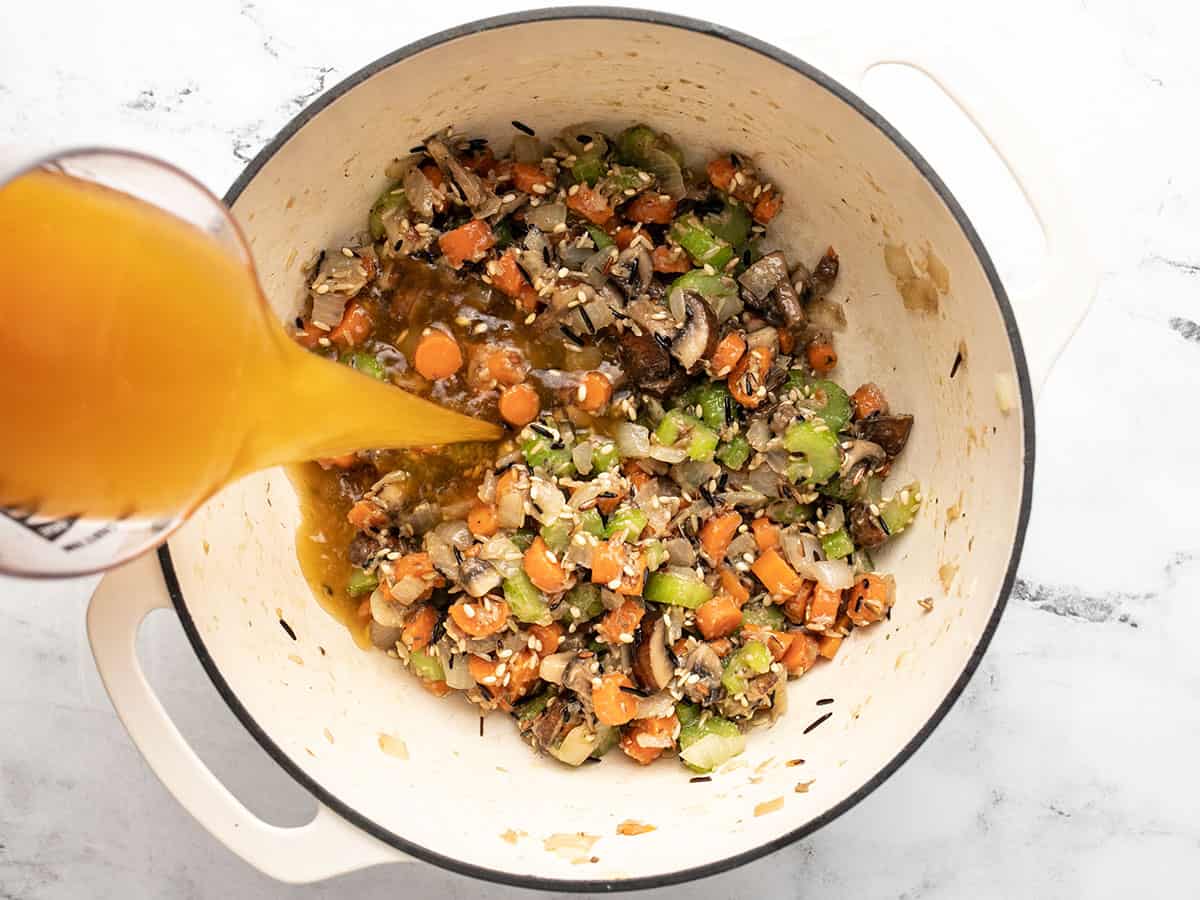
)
(1050, 312)
(326, 846)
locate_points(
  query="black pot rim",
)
(695, 872)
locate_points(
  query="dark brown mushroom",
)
(648, 365)
(824, 275)
(787, 302)
(865, 527)
(547, 728)
(697, 339)
(889, 432)
(652, 665)
(860, 454)
(761, 278)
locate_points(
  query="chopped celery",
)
(606, 738)
(825, 398)
(677, 587)
(390, 199)
(534, 706)
(714, 400)
(599, 237)
(540, 452)
(720, 292)
(750, 659)
(842, 490)
(619, 180)
(365, 363)
(731, 224)
(819, 446)
(426, 666)
(524, 600)
(656, 555)
(704, 247)
(630, 522)
(837, 544)
(605, 456)
(797, 470)
(677, 424)
(556, 535)
(703, 444)
(789, 512)
(591, 522)
(582, 602)
(576, 746)
(734, 452)
(765, 616)
(898, 512)
(686, 713)
(709, 742)
(589, 167)
(522, 540)
(361, 582)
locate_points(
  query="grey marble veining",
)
(1067, 769)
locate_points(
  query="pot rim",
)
(743, 41)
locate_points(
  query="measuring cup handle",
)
(324, 847)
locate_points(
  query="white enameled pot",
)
(487, 807)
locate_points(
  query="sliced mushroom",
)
(481, 200)
(633, 270)
(652, 665)
(384, 636)
(865, 527)
(577, 677)
(761, 278)
(653, 319)
(889, 432)
(547, 728)
(648, 365)
(387, 611)
(478, 576)
(703, 663)
(697, 339)
(759, 694)
(824, 275)
(787, 304)
(860, 453)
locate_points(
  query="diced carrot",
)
(507, 276)
(345, 461)
(364, 514)
(787, 341)
(869, 598)
(633, 585)
(721, 646)
(549, 636)
(749, 375)
(822, 608)
(354, 326)
(822, 358)
(526, 176)
(868, 400)
(777, 642)
(612, 705)
(437, 688)
(419, 628)
(650, 208)
(590, 204)
(481, 520)
(416, 565)
(720, 172)
(716, 535)
(802, 654)
(638, 477)
(505, 365)
(776, 575)
(727, 355)
(623, 620)
(543, 567)
(437, 355)
(732, 585)
(467, 243)
(519, 405)
(661, 729)
(670, 260)
(434, 174)
(627, 234)
(308, 335)
(479, 618)
(607, 559)
(766, 533)
(767, 207)
(829, 645)
(608, 505)
(595, 390)
(796, 606)
(507, 680)
(718, 617)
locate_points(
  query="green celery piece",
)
(605, 456)
(714, 398)
(827, 399)
(674, 588)
(656, 555)
(600, 237)
(525, 601)
(732, 224)
(734, 452)
(629, 521)
(582, 602)
(820, 449)
(426, 666)
(522, 540)
(764, 616)
(674, 425)
(556, 535)
(589, 167)
(361, 582)
(534, 706)
(619, 180)
(898, 512)
(536, 449)
(367, 364)
(704, 247)
(711, 726)
(391, 198)
(686, 713)
(750, 659)
(789, 512)
(837, 544)
(843, 491)
(606, 738)
(720, 291)
(703, 444)
(591, 522)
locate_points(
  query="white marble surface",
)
(1068, 767)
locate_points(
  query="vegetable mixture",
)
(682, 515)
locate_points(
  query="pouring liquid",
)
(142, 369)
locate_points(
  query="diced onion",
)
(547, 216)
(527, 149)
(554, 665)
(633, 441)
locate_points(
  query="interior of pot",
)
(488, 801)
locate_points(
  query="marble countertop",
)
(1067, 769)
